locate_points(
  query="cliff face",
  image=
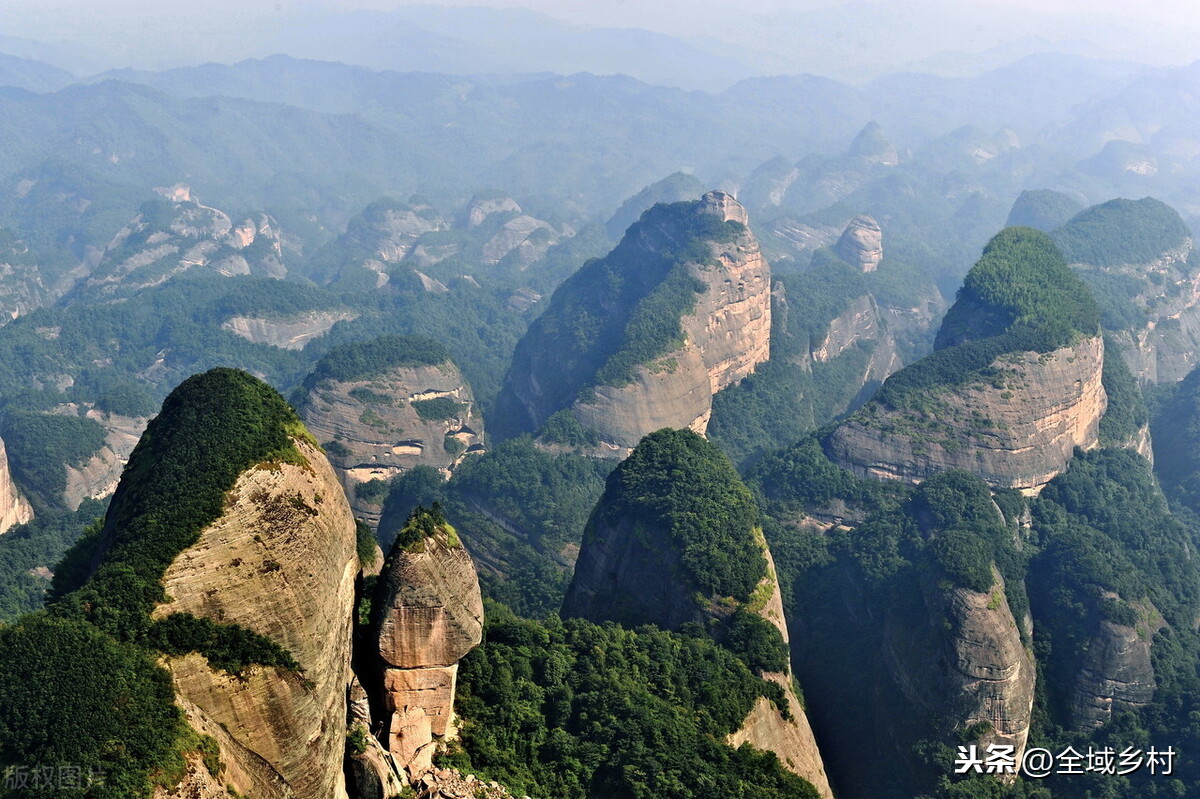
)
(281, 562)
(431, 616)
(169, 237)
(14, 508)
(971, 668)
(290, 332)
(765, 727)
(98, 478)
(1017, 432)
(861, 244)
(724, 337)
(373, 428)
(1117, 673)
(1167, 346)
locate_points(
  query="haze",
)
(853, 41)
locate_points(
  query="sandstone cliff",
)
(99, 476)
(291, 332)
(14, 508)
(1016, 383)
(722, 285)
(861, 244)
(792, 740)
(169, 237)
(971, 668)
(430, 615)
(1017, 432)
(281, 562)
(1117, 673)
(376, 426)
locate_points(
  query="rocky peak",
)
(483, 206)
(695, 262)
(861, 244)
(1015, 386)
(384, 406)
(674, 540)
(871, 146)
(14, 508)
(723, 206)
(430, 616)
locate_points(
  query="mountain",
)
(1137, 258)
(230, 558)
(672, 542)
(14, 508)
(1013, 387)
(31, 75)
(385, 406)
(645, 336)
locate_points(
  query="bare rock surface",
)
(1018, 432)
(281, 562)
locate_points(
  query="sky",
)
(152, 34)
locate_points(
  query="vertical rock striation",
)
(14, 508)
(603, 349)
(281, 562)
(430, 616)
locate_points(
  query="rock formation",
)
(1117, 673)
(861, 244)
(430, 616)
(972, 667)
(765, 728)
(871, 145)
(656, 382)
(1137, 258)
(376, 426)
(631, 570)
(281, 562)
(98, 478)
(14, 508)
(168, 238)
(290, 332)
(1018, 432)
(986, 400)
(387, 230)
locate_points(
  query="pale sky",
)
(157, 33)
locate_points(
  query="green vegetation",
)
(229, 647)
(27, 549)
(790, 395)
(79, 682)
(1121, 232)
(370, 358)
(422, 523)
(1020, 296)
(364, 543)
(617, 312)
(369, 397)
(676, 482)
(757, 642)
(563, 428)
(1176, 433)
(437, 410)
(70, 693)
(575, 710)
(550, 496)
(175, 485)
(41, 446)
(1126, 413)
(1042, 209)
